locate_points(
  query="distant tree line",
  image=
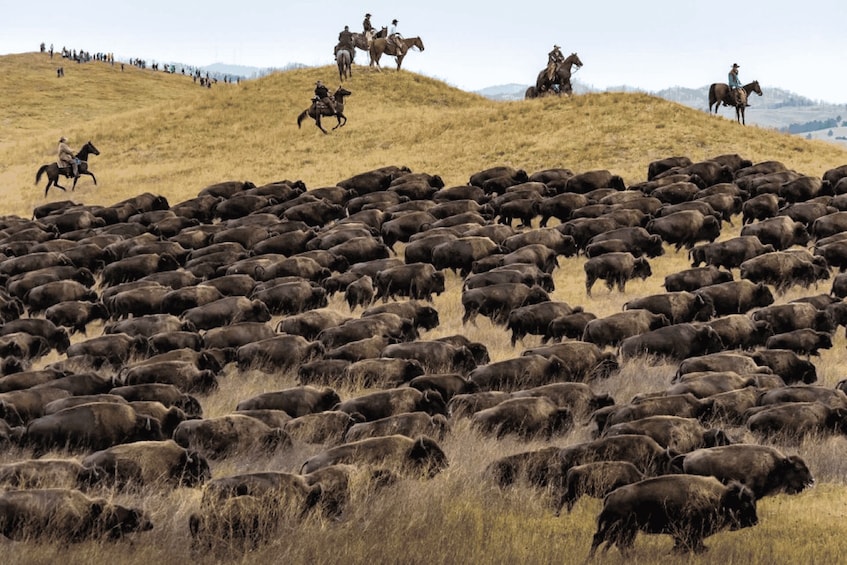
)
(814, 125)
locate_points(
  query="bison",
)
(688, 508)
(615, 269)
(420, 457)
(66, 515)
(765, 470)
(146, 463)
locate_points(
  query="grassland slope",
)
(163, 133)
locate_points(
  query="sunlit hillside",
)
(166, 134)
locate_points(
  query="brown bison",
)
(674, 432)
(96, 426)
(381, 404)
(421, 457)
(409, 424)
(66, 515)
(615, 268)
(526, 417)
(598, 479)
(765, 470)
(148, 463)
(220, 437)
(688, 508)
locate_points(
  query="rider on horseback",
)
(322, 95)
(345, 41)
(395, 39)
(366, 24)
(67, 159)
(735, 85)
(554, 57)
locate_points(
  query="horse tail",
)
(40, 172)
(302, 117)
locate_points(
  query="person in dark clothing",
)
(322, 94)
(366, 24)
(345, 39)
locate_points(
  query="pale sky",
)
(649, 44)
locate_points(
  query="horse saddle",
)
(318, 105)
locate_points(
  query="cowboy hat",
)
(63, 139)
(735, 66)
(318, 82)
(393, 21)
(367, 15)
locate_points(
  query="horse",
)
(719, 93)
(380, 46)
(561, 82)
(318, 109)
(363, 40)
(344, 58)
(53, 170)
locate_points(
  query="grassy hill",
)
(171, 136)
(164, 134)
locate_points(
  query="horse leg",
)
(318, 123)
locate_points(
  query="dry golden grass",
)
(163, 134)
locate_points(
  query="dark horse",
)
(561, 82)
(344, 58)
(318, 109)
(53, 170)
(381, 46)
(719, 93)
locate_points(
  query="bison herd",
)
(240, 279)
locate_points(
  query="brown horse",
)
(53, 170)
(363, 41)
(380, 46)
(561, 83)
(719, 94)
(318, 109)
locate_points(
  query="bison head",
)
(115, 520)
(194, 469)
(738, 506)
(432, 403)
(793, 474)
(427, 318)
(167, 262)
(762, 296)
(427, 456)
(642, 268)
(801, 235)
(709, 340)
(716, 437)
(704, 307)
(190, 405)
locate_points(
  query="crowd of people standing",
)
(82, 56)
